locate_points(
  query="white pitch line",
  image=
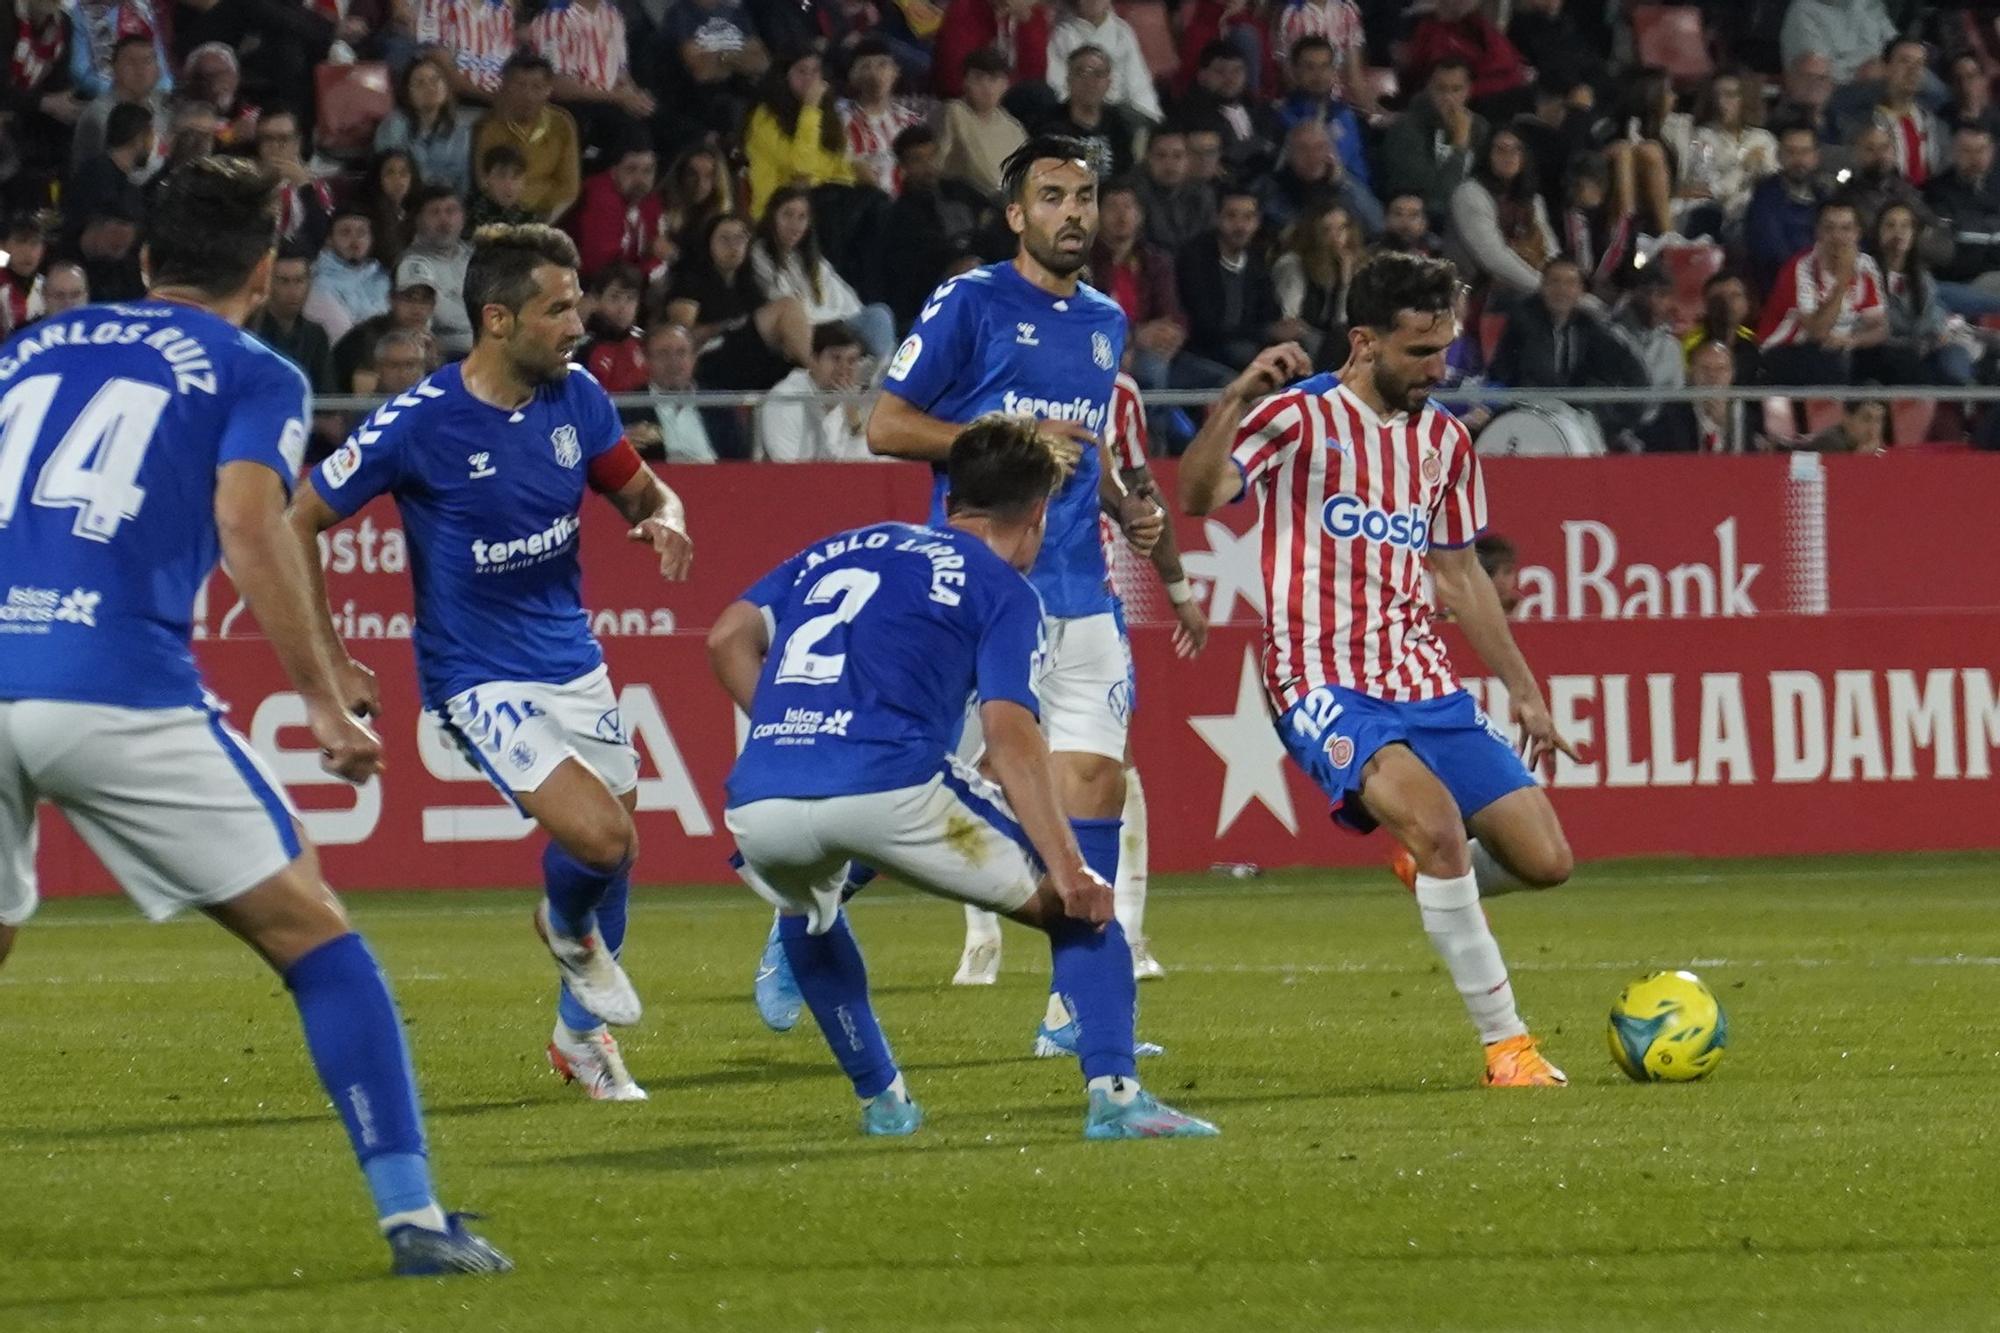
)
(1197, 969)
(651, 899)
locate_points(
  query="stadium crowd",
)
(765, 192)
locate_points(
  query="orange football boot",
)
(1518, 1062)
(1405, 867)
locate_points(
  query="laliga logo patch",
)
(1100, 351)
(1433, 467)
(1339, 751)
(568, 452)
(344, 463)
(521, 755)
(906, 357)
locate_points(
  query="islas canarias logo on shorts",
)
(1346, 516)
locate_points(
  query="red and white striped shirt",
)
(479, 34)
(1339, 21)
(872, 139)
(1125, 437)
(1803, 286)
(1911, 133)
(1348, 504)
(584, 41)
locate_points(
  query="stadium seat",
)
(1671, 37)
(1689, 266)
(351, 100)
(1156, 35)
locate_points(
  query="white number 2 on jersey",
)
(801, 665)
(95, 469)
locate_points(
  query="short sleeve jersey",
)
(879, 639)
(490, 501)
(114, 423)
(991, 341)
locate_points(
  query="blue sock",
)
(356, 1040)
(834, 982)
(574, 889)
(1100, 841)
(1092, 971)
(859, 877)
(611, 929)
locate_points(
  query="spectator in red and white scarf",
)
(1826, 304)
(305, 205)
(98, 27)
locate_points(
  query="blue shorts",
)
(1333, 732)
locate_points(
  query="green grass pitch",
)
(166, 1160)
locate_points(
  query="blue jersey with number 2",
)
(991, 341)
(114, 421)
(879, 638)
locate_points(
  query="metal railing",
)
(1467, 393)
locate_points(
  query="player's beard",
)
(538, 369)
(1042, 249)
(1398, 393)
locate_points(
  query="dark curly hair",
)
(1391, 282)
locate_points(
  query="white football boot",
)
(594, 976)
(1145, 967)
(979, 965)
(592, 1059)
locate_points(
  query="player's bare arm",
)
(1208, 480)
(1464, 590)
(266, 564)
(1191, 633)
(898, 430)
(737, 645)
(309, 516)
(659, 519)
(1018, 757)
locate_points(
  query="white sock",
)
(1119, 1089)
(1128, 894)
(900, 1088)
(981, 927)
(430, 1218)
(1494, 878)
(1458, 931)
(1058, 1012)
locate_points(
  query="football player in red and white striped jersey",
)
(1362, 484)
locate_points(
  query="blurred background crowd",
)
(765, 192)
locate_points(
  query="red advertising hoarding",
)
(1717, 720)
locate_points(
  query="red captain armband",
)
(610, 470)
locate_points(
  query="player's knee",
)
(1548, 866)
(1437, 843)
(1093, 787)
(605, 841)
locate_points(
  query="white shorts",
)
(952, 836)
(173, 801)
(518, 732)
(1086, 694)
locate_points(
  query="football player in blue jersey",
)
(1028, 337)
(854, 661)
(138, 441)
(488, 461)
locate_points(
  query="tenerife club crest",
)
(1100, 351)
(568, 452)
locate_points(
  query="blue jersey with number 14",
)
(991, 341)
(879, 638)
(114, 421)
